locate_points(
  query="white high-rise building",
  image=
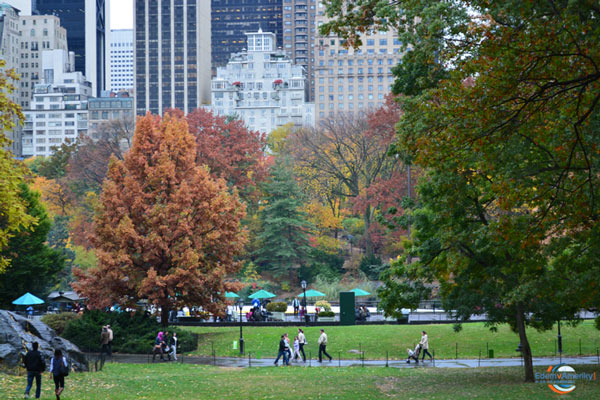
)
(38, 33)
(262, 86)
(59, 108)
(121, 60)
(9, 53)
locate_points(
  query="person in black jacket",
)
(282, 351)
(35, 366)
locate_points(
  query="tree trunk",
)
(164, 315)
(367, 234)
(525, 349)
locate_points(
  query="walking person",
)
(282, 352)
(158, 346)
(425, 346)
(59, 369)
(165, 345)
(110, 340)
(173, 345)
(104, 339)
(297, 355)
(301, 343)
(288, 347)
(323, 346)
(34, 362)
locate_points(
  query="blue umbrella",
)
(27, 299)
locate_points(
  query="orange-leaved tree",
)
(165, 230)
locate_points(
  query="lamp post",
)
(303, 284)
(559, 342)
(241, 305)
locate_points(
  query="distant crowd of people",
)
(165, 344)
(295, 351)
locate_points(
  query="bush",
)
(58, 322)
(326, 314)
(277, 307)
(133, 333)
(324, 305)
(371, 266)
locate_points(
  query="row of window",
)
(351, 88)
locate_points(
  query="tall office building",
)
(171, 55)
(349, 81)
(121, 60)
(262, 86)
(299, 31)
(38, 33)
(231, 19)
(88, 36)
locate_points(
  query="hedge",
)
(132, 333)
(277, 306)
(58, 322)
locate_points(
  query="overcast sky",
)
(121, 14)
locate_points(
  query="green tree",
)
(283, 237)
(34, 265)
(504, 115)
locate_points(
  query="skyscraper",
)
(299, 31)
(231, 19)
(86, 22)
(121, 60)
(171, 54)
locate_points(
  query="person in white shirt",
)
(174, 345)
(323, 346)
(425, 346)
(301, 343)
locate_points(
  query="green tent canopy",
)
(261, 294)
(231, 295)
(359, 292)
(312, 293)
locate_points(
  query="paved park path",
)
(268, 362)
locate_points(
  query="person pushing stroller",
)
(414, 354)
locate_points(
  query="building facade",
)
(38, 33)
(299, 31)
(262, 87)
(88, 36)
(59, 108)
(231, 19)
(353, 82)
(109, 106)
(171, 55)
(10, 54)
(121, 60)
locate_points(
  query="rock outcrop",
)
(18, 333)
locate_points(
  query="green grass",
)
(185, 381)
(375, 340)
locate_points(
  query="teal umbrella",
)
(230, 295)
(28, 299)
(311, 293)
(261, 294)
(360, 292)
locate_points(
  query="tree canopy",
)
(165, 230)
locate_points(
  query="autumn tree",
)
(165, 230)
(13, 213)
(501, 106)
(88, 165)
(34, 266)
(230, 150)
(348, 156)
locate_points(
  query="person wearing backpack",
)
(59, 369)
(35, 366)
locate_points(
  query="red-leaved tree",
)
(166, 230)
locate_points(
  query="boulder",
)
(18, 333)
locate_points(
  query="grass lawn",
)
(375, 340)
(185, 381)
